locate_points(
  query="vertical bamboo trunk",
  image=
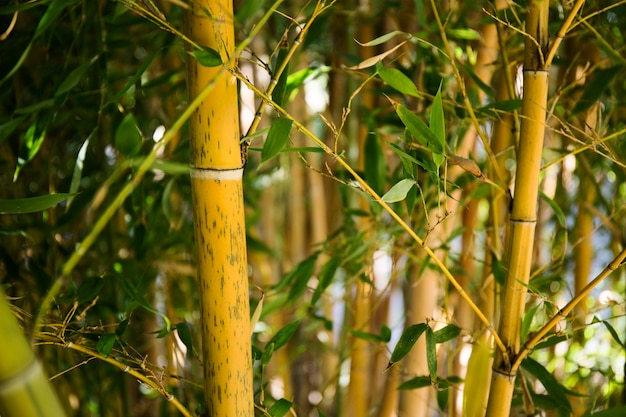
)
(358, 397)
(24, 387)
(523, 215)
(218, 210)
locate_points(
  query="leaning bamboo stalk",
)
(24, 387)
(523, 215)
(219, 226)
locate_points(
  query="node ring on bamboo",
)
(217, 174)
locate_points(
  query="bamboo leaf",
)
(431, 353)
(527, 321)
(438, 124)
(447, 333)
(399, 191)
(184, 333)
(556, 390)
(374, 162)
(278, 95)
(121, 328)
(276, 138)
(416, 126)
(560, 216)
(207, 57)
(105, 344)
(415, 383)
(133, 80)
(301, 276)
(407, 341)
(284, 335)
(326, 276)
(74, 77)
(280, 408)
(32, 204)
(468, 34)
(397, 80)
(128, 136)
(33, 139)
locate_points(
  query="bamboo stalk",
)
(24, 387)
(219, 224)
(523, 215)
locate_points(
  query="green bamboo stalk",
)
(24, 388)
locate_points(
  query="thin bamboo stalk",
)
(219, 224)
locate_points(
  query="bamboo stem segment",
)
(24, 387)
(219, 222)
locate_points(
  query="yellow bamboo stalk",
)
(219, 224)
(24, 388)
(523, 215)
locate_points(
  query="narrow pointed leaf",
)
(127, 136)
(437, 123)
(415, 383)
(447, 333)
(105, 344)
(280, 408)
(207, 57)
(74, 77)
(431, 353)
(417, 127)
(184, 333)
(407, 341)
(557, 392)
(32, 204)
(399, 191)
(397, 80)
(276, 138)
(284, 335)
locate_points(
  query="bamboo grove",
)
(324, 208)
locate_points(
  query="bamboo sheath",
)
(219, 223)
(24, 388)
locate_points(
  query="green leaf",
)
(278, 95)
(128, 136)
(301, 276)
(551, 341)
(33, 139)
(498, 269)
(207, 57)
(89, 289)
(496, 108)
(74, 77)
(52, 13)
(105, 344)
(527, 321)
(284, 335)
(326, 275)
(557, 392)
(32, 204)
(184, 333)
(399, 191)
(560, 216)
(486, 88)
(397, 80)
(406, 341)
(438, 124)
(280, 408)
(415, 383)
(385, 333)
(370, 337)
(431, 353)
(276, 138)
(417, 127)
(266, 357)
(446, 333)
(121, 328)
(613, 333)
(133, 80)
(468, 34)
